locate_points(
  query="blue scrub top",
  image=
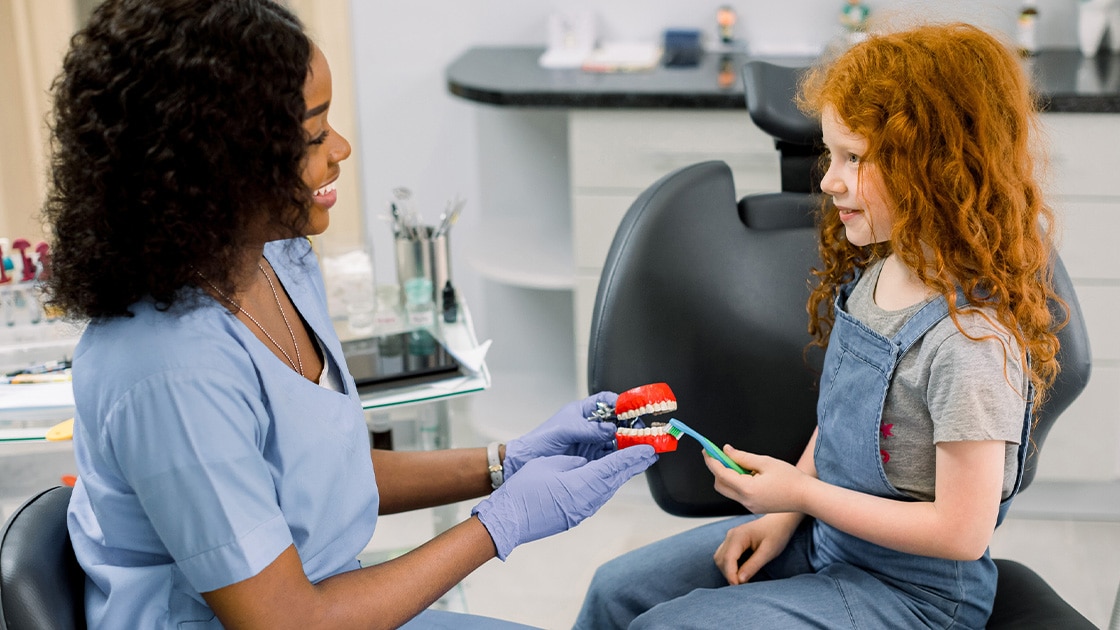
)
(202, 456)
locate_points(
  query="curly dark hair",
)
(177, 125)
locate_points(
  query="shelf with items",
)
(35, 357)
(29, 333)
(457, 338)
(26, 345)
(424, 415)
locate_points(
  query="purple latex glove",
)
(555, 493)
(568, 432)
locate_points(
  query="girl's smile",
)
(847, 214)
(855, 184)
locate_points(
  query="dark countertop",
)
(510, 76)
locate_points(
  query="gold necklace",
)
(298, 363)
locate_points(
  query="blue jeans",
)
(674, 583)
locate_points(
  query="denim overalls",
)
(857, 371)
(824, 578)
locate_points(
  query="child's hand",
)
(763, 539)
(775, 486)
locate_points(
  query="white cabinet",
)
(1082, 185)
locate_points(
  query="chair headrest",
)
(770, 90)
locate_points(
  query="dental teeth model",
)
(652, 399)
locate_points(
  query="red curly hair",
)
(949, 116)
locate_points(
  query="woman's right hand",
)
(553, 494)
(764, 537)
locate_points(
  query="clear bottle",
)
(418, 303)
(388, 317)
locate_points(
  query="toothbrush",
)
(678, 428)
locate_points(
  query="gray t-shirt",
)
(946, 388)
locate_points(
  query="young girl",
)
(932, 304)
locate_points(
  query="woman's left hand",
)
(775, 486)
(568, 432)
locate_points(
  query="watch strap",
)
(494, 463)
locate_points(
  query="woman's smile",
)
(326, 196)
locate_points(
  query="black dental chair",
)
(41, 584)
(708, 295)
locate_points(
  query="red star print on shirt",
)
(885, 431)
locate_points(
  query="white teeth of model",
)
(660, 429)
(658, 407)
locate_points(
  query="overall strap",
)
(922, 321)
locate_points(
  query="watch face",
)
(398, 360)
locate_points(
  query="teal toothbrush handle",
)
(710, 447)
